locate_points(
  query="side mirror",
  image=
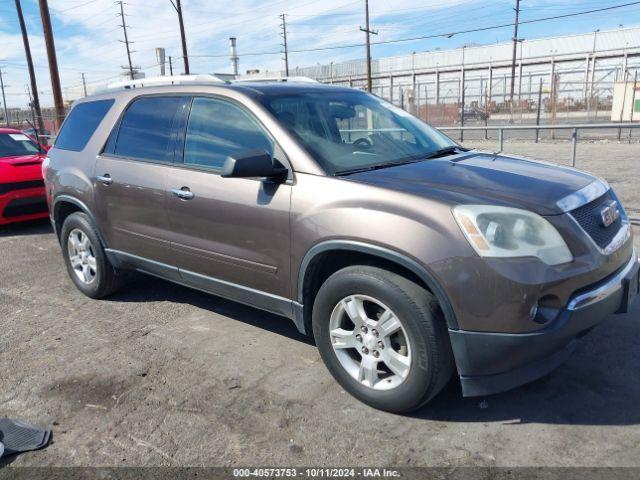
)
(252, 164)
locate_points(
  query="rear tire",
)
(353, 314)
(85, 258)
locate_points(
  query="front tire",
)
(382, 337)
(85, 259)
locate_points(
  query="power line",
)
(194, 28)
(424, 37)
(77, 6)
(494, 27)
(473, 30)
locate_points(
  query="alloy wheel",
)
(82, 256)
(370, 342)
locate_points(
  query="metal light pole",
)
(462, 74)
(513, 61)
(521, 41)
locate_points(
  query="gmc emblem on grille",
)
(609, 214)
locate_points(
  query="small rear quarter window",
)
(81, 123)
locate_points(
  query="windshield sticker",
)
(20, 137)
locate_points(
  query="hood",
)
(23, 160)
(483, 178)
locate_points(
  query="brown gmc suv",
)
(407, 256)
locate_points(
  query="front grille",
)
(10, 187)
(589, 218)
(25, 206)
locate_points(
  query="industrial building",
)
(570, 73)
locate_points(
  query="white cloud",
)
(87, 34)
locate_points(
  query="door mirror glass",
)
(253, 164)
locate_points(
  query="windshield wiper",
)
(450, 150)
(375, 166)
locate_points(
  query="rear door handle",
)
(105, 179)
(183, 193)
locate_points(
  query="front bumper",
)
(23, 205)
(495, 362)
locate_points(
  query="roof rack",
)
(166, 80)
(277, 79)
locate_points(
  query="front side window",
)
(81, 123)
(16, 144)
(146, 129)
(217, 129)
(348, 130)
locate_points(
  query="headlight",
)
(505, 232)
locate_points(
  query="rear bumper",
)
(495, 362)
(23, 205)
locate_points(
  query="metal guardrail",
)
(573, 127)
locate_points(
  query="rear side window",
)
(146, 129)
(81, 123)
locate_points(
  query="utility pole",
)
(126, 38)
(367, 30)
(185, 56)
(84, 85)
(285, 45)
(32, 73)
(47, 31)
(513, 60)
(170, 66)
(4, 100)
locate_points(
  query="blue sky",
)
(87, 32)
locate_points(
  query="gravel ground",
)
(163, 375)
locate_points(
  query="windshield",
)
(350, 130)
(15, 144)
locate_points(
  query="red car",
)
(22, 195)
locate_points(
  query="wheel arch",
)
(357, 252)
(65, 205)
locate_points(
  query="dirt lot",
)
(163, 375)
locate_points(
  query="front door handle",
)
(105, 179)
(183, 193)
